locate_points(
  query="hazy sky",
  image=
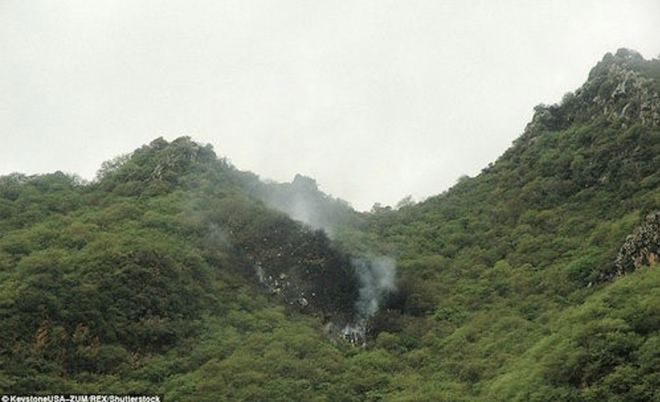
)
(376, 100)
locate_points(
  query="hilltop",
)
(176, 273)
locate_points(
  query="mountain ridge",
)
(176, 273)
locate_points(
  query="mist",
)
(303, 201)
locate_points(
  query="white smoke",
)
(303, 201)
(376, 278)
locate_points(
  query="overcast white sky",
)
(376, 100)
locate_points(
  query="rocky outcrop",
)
(618, 88)
(642, 247)
(178, 155)
(621, 91)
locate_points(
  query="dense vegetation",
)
(166, 274)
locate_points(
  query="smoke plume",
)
(303, 201)
(376, 279)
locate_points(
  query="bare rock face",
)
(622, 91)
(642, 248)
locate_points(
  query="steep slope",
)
(502, 262)
(292, 260)
(96, 276)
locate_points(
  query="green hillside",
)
(175, 273)
(520, 270)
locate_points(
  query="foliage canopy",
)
(172, 273)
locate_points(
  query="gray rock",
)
(642, 247)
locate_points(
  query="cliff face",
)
(642, 247)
